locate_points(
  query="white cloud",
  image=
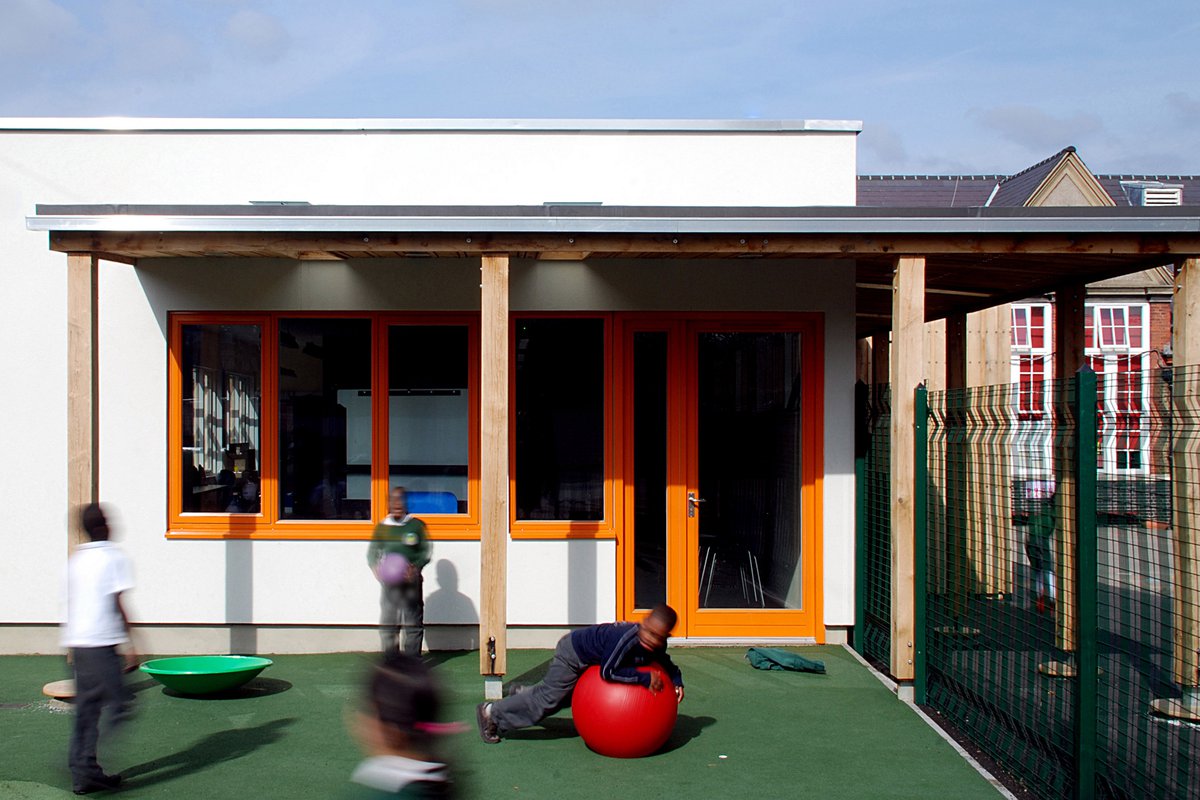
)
(256, 36)
(1185, 107)
(1037, 130)
(882, 144)
(34, 28)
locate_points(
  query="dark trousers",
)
(402, 608)
(550, 696)
(99, 687)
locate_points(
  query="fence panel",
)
(991, 624)
(1003, 590)
(874, 640)
(1149, 453)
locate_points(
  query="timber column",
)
(907, 367)
(83, 389)
(1185, 521)
(1069, 346)
(493, 517)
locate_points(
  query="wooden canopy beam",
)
(124, 245)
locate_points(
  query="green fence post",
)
(862, 444)
(920, 537)
(1086, 568)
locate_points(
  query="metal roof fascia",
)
(441, 125)
(616, 225)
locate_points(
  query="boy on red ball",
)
(619, 648)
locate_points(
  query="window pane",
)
(750, 469)
(650, 468)
(560, 419)
(1135, 326)
(1020, 331)
(325, 418)
(429, 416)
(1037, 327)
(220, 368)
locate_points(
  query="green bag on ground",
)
(774, 658)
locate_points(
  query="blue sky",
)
(940, 87)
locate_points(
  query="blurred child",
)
(396, 728)
(95, 632)
(1039, 542)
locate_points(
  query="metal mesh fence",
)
(875, 593)
(1038, 560)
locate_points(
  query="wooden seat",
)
(60, 690)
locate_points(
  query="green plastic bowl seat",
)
(205, 674)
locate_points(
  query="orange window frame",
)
(607, 527)
(809, 619)
(266, 524)
(682, 586)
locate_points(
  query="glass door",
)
(721, 476)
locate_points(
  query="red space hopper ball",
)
(623, 720)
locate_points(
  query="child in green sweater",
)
(401, 603)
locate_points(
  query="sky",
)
(962, 87)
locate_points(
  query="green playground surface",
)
(741, 732)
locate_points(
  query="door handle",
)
(693, 503)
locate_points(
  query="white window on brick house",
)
(1116, 337)
(1031, 348)
(1033, 439)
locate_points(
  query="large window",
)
(221, 368)
(324, 427)
(560, 429)
(429, 402)
(289, 425)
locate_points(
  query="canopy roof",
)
(975, 257)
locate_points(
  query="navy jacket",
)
(615, 647)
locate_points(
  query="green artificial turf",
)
(741, 732)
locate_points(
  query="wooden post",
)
(83, 384)
(989, 508)
(989, 348)
(935, 354)
(955, 474)
(881, 363)
(493, 537)
(1069, 355)
(908, 362)
(956, 352)
(1185, 524)
(862, 361)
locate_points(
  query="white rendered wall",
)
(312, 582)
(682, 169)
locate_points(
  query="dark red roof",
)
(925, 191)
(997, 191)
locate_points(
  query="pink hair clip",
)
(439, 728)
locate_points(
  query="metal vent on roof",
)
(1152, 193)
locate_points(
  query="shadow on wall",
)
(447, 606)
(239, 597)
(582, 605)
